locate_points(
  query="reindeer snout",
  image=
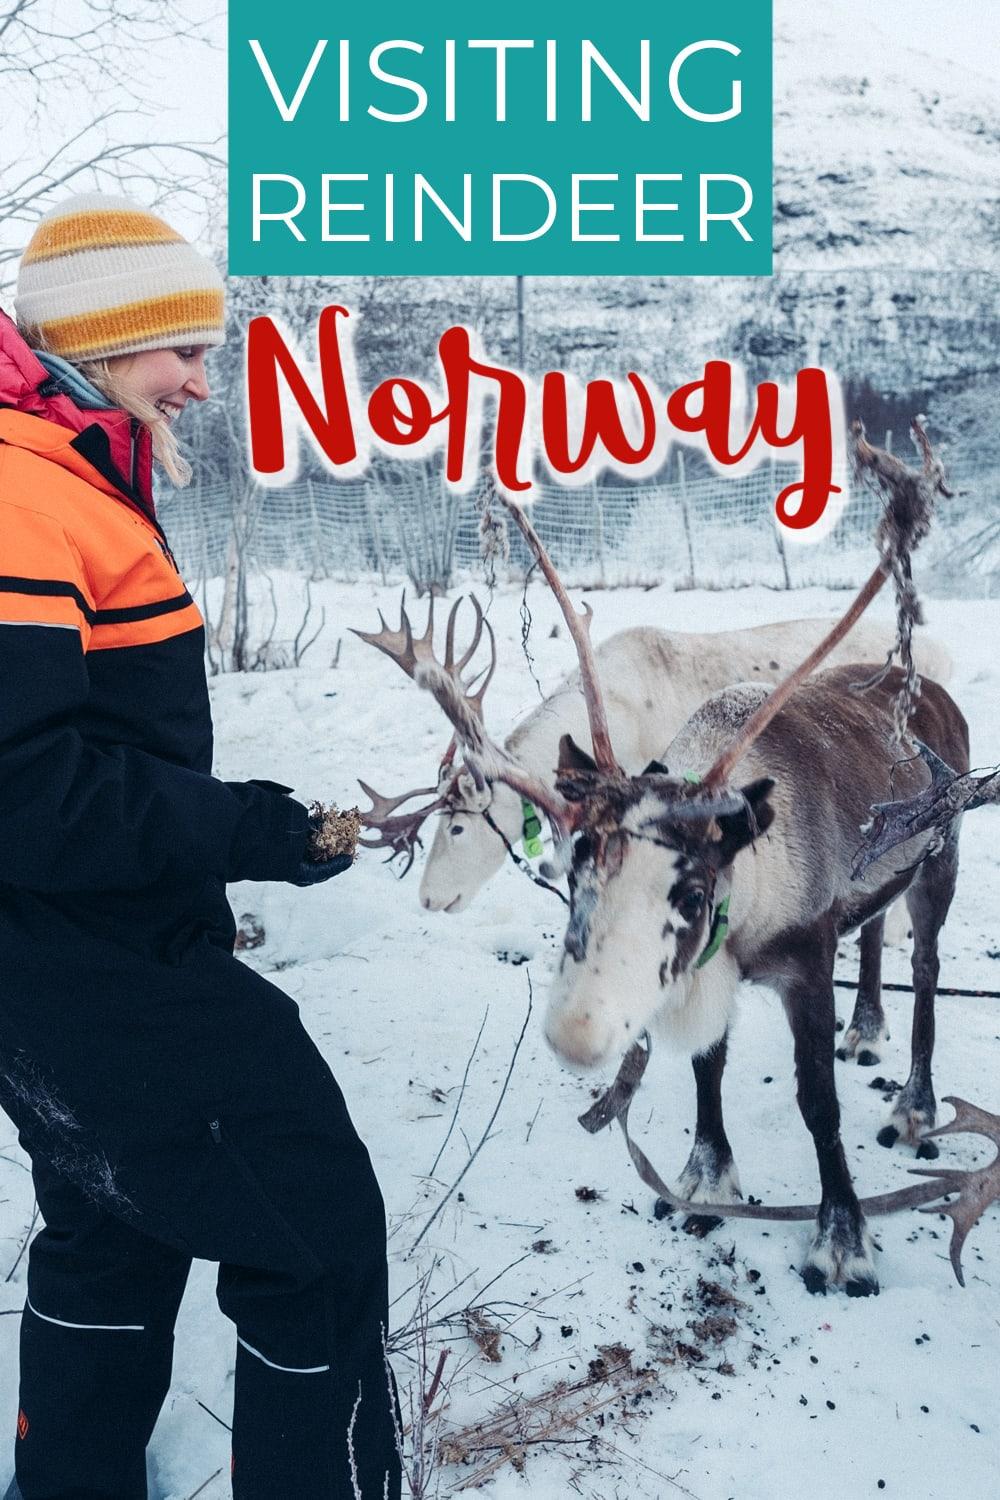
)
(582, 1039)
(433, 903)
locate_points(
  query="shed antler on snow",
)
(975, 1189)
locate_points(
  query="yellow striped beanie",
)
(102, 276)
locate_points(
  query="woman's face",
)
(169, 378)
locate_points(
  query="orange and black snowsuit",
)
(170, 1099)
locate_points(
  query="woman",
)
(171, 1102)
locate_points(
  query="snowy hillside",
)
(886, 190)
(884, 156)
(754, 1389)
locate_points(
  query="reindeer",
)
(666, 868)
(652, 681)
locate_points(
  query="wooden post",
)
(778, 533)
(682, 478)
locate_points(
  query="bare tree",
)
(89, 118)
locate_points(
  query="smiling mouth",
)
(168, 409)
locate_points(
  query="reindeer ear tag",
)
(718, 934)
(531, 829)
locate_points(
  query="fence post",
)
(779, 535)
(599, 533)
(318, 559)
(376, 534)
(682, 476)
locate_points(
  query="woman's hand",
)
(313, 871)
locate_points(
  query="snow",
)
(826, 1395)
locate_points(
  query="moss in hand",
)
(332, 833)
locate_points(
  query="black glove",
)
(312, 871)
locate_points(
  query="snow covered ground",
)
(760, 1390)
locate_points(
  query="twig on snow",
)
(212, 1414)
(204, 1486)
(461, 1092)
(489, 1124)
(24, 1245)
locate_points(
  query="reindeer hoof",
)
(863, 1048)
(908, 1124)
(840, 1253)
(701, 1225)
(928, 1151)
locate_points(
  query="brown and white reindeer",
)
(668, 866)
(651, 680)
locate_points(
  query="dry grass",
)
(563, 1413)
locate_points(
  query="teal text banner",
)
(557, 139)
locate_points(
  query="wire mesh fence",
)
(707, 531)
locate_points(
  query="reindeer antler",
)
(408, 651)
(401, 833)
(484, 759)
(977, 1188)
(909, 499)
(936, 807)
(579, 629)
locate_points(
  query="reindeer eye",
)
(690, 904)
(456, 829)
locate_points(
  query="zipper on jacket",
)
(216, 1131)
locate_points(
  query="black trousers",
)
(194, 1118)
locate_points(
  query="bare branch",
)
(489, 1124)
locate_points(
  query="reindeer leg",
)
(840, 1253)
(914, 1110)
(710, 1175)
(865, 1035)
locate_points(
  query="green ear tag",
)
(531, 830)
(718, 935)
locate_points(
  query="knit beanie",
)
(102, 276)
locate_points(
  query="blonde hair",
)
(105, 376)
